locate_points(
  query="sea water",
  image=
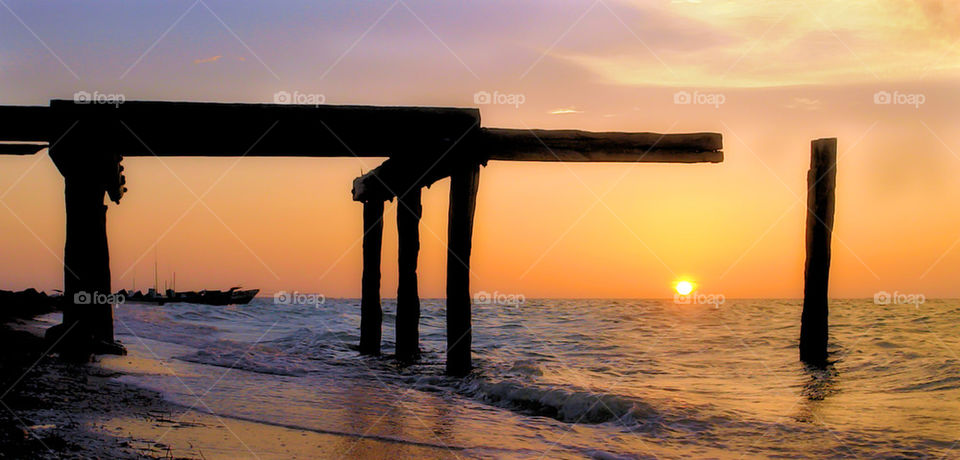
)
(576, 378)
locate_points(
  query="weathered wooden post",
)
(821, 184)
(86, 259)
(463, 201)
(88, 299)
(371, 315)
(409, 211)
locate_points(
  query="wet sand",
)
(64, 410)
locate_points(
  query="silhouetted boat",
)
(233, 296)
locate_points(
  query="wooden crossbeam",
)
(573, 145)
(147, 128)
(23, 148)
(395, 177)
(25, 123)
(424, 134)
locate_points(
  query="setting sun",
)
(684, 287)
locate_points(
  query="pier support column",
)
(463, 201)
(409, 211)
(371, 315)
(90, 163)
(821, 185)
(87, 313)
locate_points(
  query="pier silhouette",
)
(88, 141)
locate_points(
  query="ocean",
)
(575, 378)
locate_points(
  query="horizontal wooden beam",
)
(25, 123)
(22, 148)
(395, 177)
(147, 128)
(573, 145)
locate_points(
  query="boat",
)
(233, 296)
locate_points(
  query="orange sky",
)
(788, 72)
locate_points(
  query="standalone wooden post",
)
(821, 184)
(371, 315)
(463, 201)
(409, 211)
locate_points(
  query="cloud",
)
(943, 15)
(804, 103)
(209, 59)
(565, 111)
(764, 43)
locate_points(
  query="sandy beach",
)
(56, 409)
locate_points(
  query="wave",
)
(937, 384)
(564, 405)
(238, 359)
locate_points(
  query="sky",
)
(771, 76)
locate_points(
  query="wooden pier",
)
(422, 144)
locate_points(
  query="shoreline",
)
(51, 407)
(59, 409)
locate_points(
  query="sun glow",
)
(684, 287)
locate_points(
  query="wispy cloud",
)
(757, 43)
(804, 103)
(565, 111)
(206, 60)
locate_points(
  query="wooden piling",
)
(463, 200)
(821, 185)
(87, 316)
(91, 169)
(371, 315)
(409, 211)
